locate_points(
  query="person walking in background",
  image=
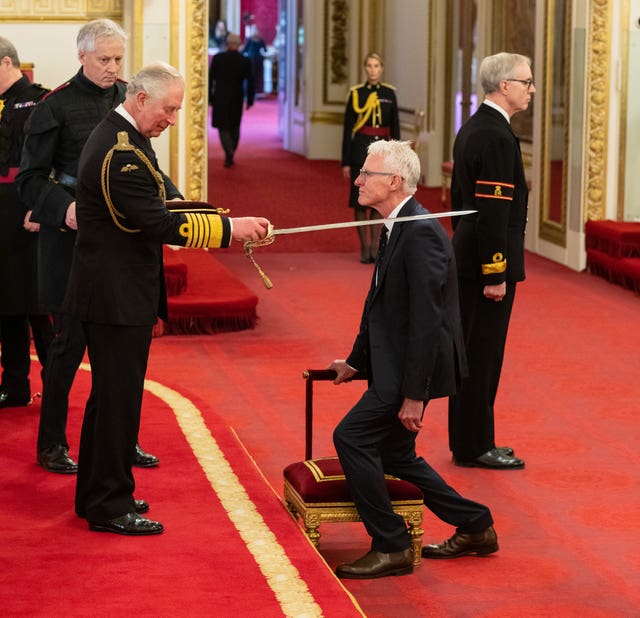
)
(54, 136)
(220, 34)
(255, 49)
(116, 287)
(371, 114)
(488, 176)
(410, 348)
(230, 82)
(19, 307)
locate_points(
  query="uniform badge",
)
(129, 167)
(498, 191)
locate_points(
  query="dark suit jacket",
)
(227, 76)
(410, 338)
(488, 176)
(117, 275)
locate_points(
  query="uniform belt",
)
(11, 175)
(66, 180)
(377, 131)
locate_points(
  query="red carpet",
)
(229, 546)
(568, 523)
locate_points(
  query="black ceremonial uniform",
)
(371, 114)
(116, 289)
(18, 252)
(488, 176)
(55, 135)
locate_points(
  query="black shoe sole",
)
(403, 571)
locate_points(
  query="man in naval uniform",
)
(116, 287)
(488, 176)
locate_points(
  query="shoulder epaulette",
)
(388, 86)
(357, 86)
(58, 89)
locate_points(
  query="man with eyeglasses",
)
(410, 348)
(488, 176)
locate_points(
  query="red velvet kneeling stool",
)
(316, 489)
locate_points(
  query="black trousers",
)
(15, 341)
(229, 139)
(371, 442)
(63, 359)
(471, 411)
(118, 356)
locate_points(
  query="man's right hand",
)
(345, 372)
(249, 228)
(70, 218)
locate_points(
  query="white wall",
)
(51, 47)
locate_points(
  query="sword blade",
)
(342, 224)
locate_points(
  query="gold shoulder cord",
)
(123, 144)
(371, 106)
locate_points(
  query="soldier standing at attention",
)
(18, 248)
(371, 114)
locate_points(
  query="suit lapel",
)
(410, 208)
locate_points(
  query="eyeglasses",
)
(527, 82)
(366, 173)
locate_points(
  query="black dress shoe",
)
(145, 460)
(56, 459)
(481, 543)
(130, 524)
(377, 564)
(505, 450)
(493, 459)
(7, 400)
(141, 506)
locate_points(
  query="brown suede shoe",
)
(481, 544)
(377, 564)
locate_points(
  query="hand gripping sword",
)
(273, 232)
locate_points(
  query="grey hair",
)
(86, 40)
(8, 49)
(153, 80)
(494, 69)
(401, 159)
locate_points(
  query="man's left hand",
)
(410, 414)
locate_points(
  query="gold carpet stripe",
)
(283, 578)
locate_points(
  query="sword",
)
(342, 224)
(273, 232)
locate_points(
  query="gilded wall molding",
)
(60, 10)
(598, 58)
(196, 99)
(336, 52)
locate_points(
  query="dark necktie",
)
(382, 245)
